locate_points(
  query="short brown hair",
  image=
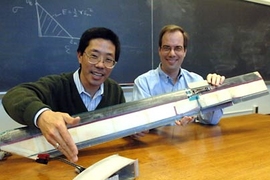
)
(173, 28)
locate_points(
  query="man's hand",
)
(215, 79)
(53, 126)
(140, 134)
(185, 120)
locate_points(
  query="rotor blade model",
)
(125, 119)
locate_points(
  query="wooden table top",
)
(237, 148)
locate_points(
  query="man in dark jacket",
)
(49, 102)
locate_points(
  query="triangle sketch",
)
(48, 26)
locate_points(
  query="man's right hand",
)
(185, 120)
(53, 126)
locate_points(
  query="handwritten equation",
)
(74, 12)
(48, 25)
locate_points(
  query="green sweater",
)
(57, 92)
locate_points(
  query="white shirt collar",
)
(80, 87)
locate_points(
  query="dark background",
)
(229, 37)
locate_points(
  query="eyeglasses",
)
(168, 49)
(94, 59)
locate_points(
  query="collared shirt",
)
(156, 82)
(90, 102)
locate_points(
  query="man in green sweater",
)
(49, 102)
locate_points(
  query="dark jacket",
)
(57, 92)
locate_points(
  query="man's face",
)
(172, 52)
(93, 75)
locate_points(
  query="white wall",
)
(246, 107)
(6, 121)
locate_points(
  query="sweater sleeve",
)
(22, 102)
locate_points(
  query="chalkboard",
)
(41, 37)
(229, 37)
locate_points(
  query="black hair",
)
(99, 32)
